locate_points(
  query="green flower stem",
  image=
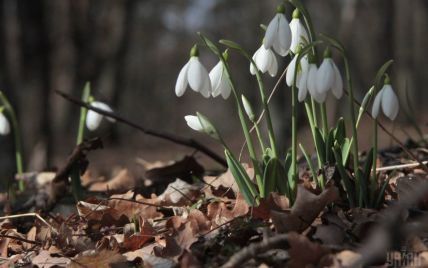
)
(314, 113)
(294, 137)
(324, 120)
(374, 176)
(259, 136)
(266, 108)
(354, 128)
(83, 112)
(17, 138)
(245, 129)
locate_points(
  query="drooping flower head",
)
(93, 119)
(278, 33)
(328, 77)
(301, 76)
(219, 81)
(195, 75)
(200, 123)
(4, 123)
(311, 81)
(265, 60)
(386, 99)
(299, 34)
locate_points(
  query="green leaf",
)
(233, 45)
(320, 145)
(346, 149)
(271, 175)
(308, 160)
(242, 179)
(380, 196)
(366, 174)
(329, 146)
(345, 179)
(364, 104)
(340, 131)
(284, 186)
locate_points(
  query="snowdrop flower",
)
(194, 123)
(248, 109)
(309, 81)
(265, 60)
(200, 123)
(298, 31)
(219, 82)
(278, 33)
(93, 119)
(328, 77)
(194, 74)
(302, 75)
(4, 124)
(386, 99)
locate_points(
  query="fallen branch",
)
(162, 135)
(21, 239)
(245, 254)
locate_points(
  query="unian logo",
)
(403, 258)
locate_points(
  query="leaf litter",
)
(192, 220)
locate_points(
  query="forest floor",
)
(178, 214)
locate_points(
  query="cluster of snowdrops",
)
(307, 72)
(311, 77)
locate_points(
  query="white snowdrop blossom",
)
(195, 75)
(302, 75)
(219, 82)
(386, 99)
(194, 123)
(4, 125)
(311, 83)
(278, 33)
(93, 119)
(265, 60)
(298, 31)
(328, 77)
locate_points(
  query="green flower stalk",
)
(251, 116)
(86, 95)
(8, 109)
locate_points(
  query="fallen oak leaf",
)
(184, 169)
(45, 260)
(304, 211)
(97, 259)
(122, 182)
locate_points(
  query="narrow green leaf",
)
(380, 196)
(340, 131)
(346, 149)
(320, 145)
(329, 147)
(334, 42)
(345, 179)
(271, 176)
(242, 179)
(309, 161)
(211, 46)
(232, 44)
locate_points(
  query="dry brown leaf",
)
(304, 211)
(148, 210)
(221, 184)
(31, 235)
(120, 183)
(219, 213)
(97, 259)
(137, 240)
(184, 169)
(45, 260)
(303, 252)
(179, 193)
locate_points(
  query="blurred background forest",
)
(132, 50)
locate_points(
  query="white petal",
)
(194, 123)
(105, 107)
(93, 120)
(215, 77)
(298, 34)
(311, 80)
(263, 59)
(337, 87)
(302, 85)
(4, 125)
(376, 104)
(289, 77)
(226, 87)
(390, 105)
(273, 68)
(325, 76)
(181, 84)
(271, 32)
(283, 41)
(198, 77)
